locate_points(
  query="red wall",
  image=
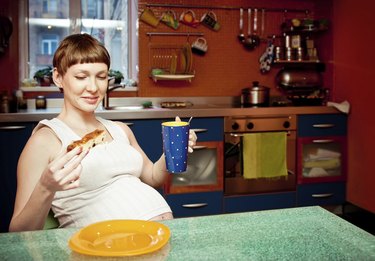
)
(9, 61)
(354, 71)
(227, 67)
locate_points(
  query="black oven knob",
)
(286, 124)
(250, 125)
(235, 126)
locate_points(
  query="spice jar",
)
(40, 102)
(4, 104)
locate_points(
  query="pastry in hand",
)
(88, 141)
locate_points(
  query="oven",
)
(235, 128)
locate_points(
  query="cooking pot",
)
(255, 96)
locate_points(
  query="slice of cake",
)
(88, 141)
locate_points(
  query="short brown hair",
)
(79, 48)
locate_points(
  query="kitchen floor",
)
(359, 217)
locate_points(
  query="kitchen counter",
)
(206, 110)
(308, 233)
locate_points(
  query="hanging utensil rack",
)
(277, 10)
(174, 34)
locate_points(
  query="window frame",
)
(75, 26)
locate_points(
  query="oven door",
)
(234, 181)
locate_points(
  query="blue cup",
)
(175, 145)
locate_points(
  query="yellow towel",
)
(264, 155)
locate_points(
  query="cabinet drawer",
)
(259, 202)
(148, 134)
(208, 129)
(196, 204)
(321, 194)
(322, 125)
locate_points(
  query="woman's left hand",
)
(192, 138)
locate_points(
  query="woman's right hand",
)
(64, 171)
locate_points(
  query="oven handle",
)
(234, 134)
(195, 205)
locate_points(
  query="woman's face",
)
(85, 85)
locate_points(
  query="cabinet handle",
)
(197, 147)
(322, 195)
(195, 205)
(323, 141)
(12, 127)
(324, 125)
(199, 130)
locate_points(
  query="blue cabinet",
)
(148, 134)
(195, 204)
(242, 203)
(208, 129)
(13, 138)
(321, 159)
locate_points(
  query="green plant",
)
(44, 76)
(45, 72)
(116, 74)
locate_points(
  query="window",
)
(113, 22)
(49, 44)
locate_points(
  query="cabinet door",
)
(242, 203)
(321, 194)
(321, 159)
(13, 138)
(204, 170)
(195, 204)
(148, 135)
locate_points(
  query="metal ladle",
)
(249, 41)
(254, 36)
(241, 35)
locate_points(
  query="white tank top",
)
(110, 187)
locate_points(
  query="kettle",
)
(255, 96)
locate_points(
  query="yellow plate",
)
(120, 238)
(189, 58)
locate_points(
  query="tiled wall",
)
(227, 67)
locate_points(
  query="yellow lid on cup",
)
(175, 123)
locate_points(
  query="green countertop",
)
(308, 233)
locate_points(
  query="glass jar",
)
(40, 102)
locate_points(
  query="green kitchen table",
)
(306, 233)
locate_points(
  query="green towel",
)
(264, 155)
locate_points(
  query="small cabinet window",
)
(321, 159)
(204, 171)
